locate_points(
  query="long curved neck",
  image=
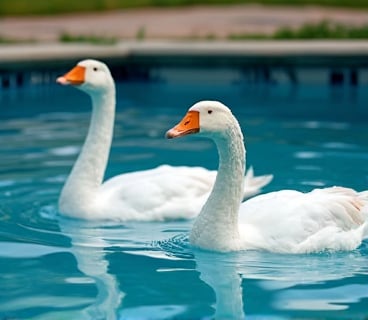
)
(216, 227)
(89, 169)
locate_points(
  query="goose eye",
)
(209, 111)
(95, 69)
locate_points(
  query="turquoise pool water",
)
(56, 268)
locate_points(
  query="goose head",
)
(207, 118)
(90, 76)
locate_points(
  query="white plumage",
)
(165, 192)
(284, 221)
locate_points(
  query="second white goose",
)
(161, 193)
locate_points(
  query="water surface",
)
(57, 268)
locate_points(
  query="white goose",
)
(284, 221)
(165, 192)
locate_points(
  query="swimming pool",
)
(308, 135)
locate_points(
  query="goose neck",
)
(89, 169)
(216, 227)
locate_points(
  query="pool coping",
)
(346, 52)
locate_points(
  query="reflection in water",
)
(168, 279)
(237, 279)
(41, 282)
(88, 248)
(221, 274)
(293, 283)
(219, 271)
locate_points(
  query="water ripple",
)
(177, 246)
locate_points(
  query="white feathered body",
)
(295, 222)
(161, 193)
(284, 221)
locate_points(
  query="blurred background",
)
(109, 21)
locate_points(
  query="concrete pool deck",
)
(354, 53)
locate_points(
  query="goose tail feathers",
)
(254, 184)
(363, 196)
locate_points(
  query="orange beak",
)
(188, 125)
(76, 76)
